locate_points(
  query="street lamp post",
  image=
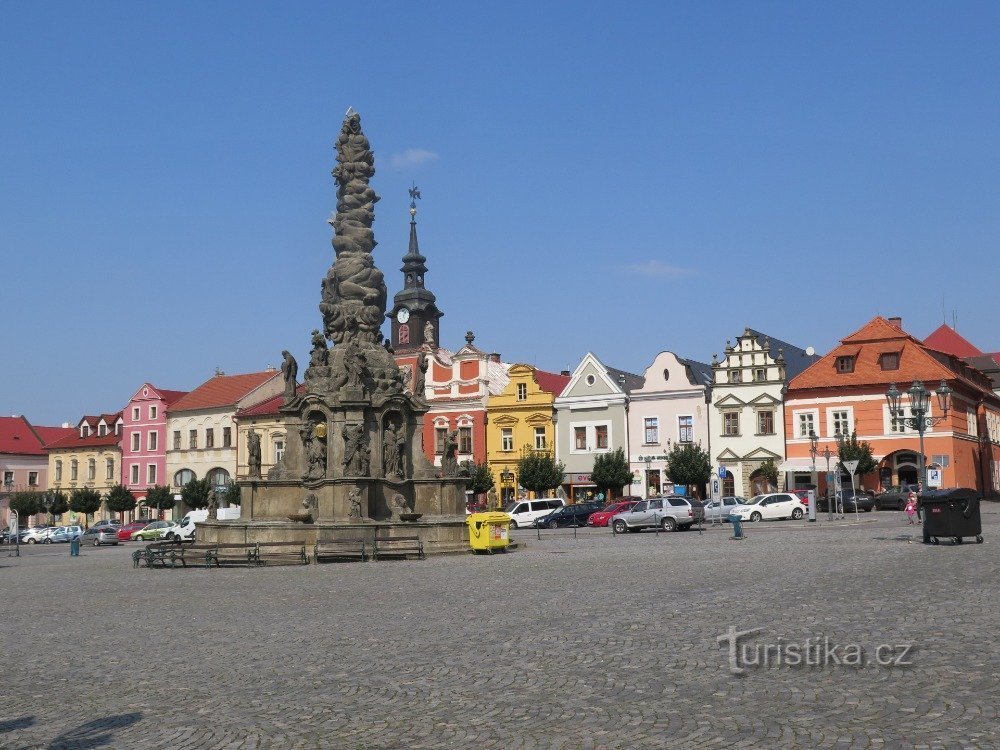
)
(919, 421)
(829, 503)
(813, 441)
(507, 482)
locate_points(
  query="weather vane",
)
(414, 197)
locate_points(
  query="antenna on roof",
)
(954, 319)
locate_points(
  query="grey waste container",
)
(951, 513)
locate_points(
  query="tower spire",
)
(414, 264)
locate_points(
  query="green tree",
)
(688, 464)
(194, 494)
(86, 501)
(611, 473)
(120, 499)
(159, 497)
(26, 504)
(851, 449)
(60, 504)
(538, 471)
(480, 477)
(769, 470)
(231, 496)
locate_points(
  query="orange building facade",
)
(845, 392)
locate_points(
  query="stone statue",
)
(429, 333)
(561, 493)
(213, 505)
(290, 371)
(315, 452)
(354, 365)
(418, 385)
(253, 454)
(356, 451)
(320, 354)
(397, 505)
(356, 500)
(449, 464)
(392, 446)
(492, 501)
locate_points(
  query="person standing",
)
(911, 506)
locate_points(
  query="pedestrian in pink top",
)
(911, 506)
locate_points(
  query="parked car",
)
(602, 516)
(125, 532)
(669, 513)
(524, 512)
(721, 509)
(100, 535)
(771, 506)
(35, 535)
(576, 514)
(107, 522)
(850, 499)
(154, 531)
(63, 534)
(893, 498)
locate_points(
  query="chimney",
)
(565, 372)
(494, 357)
(898, 322)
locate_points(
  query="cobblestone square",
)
(592, 641)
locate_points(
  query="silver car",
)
(669, 513)
(719, 510)
(98, 535)
(35, 535)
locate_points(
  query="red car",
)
(601, 517)
(125, 532)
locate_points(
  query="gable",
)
(590, 379)
(730, 401)
(762, 454)
(764, 399)
(728, 455)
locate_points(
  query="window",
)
(279, 450)
(218, 478)
(177, 440)
(209, 438)
(736, 376)
(973, 424)
(807, 424)
(58, 471)
(651, 430)
(760, 374)
(227, 437)
(539, 438)
(152, 412)
(73, 470)
(32, 478)
(91, 470)
(192, 439)
(150, 474)
(889, 361)
(601, 431)
(135, 442)
(522, 391)
(135, 413)
(731, 423)
(440, 436)
(8, 478)
(845, 364)
(685, 429)
(580, 438)
(133, 477)
(109, 469)
(765, 422)
(841, 422)
(506, 439)
(465, 440)
(102, 430)
(153, 440)
(85, 431)
(182, 477)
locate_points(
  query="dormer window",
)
(85, 431)
(102, 430)
(845, 364)
(889, 361)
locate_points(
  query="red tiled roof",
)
(171, 396)
(74, 441)
(222, 390)
(50, 435)
(267, 408)
(946, 339)
(551, 382)
(18, 438)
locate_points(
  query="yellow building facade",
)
(520, 418)
(90, 465)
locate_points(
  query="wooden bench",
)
(233, 554)
(282, 553)
(397, 546)
(152, 554)
(173, 554)
(340, 549)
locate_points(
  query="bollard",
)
(737, 523)
(74, 548)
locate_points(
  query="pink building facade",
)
(144, 438)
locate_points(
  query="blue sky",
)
(600, 177)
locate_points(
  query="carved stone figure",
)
(492, 501)
(253, 454)
(356, 451)
(429, 333)
(356, 499)
(397, 505)
(354, 364)
(290, 371)
(392, 447)
(315, 452)
(213, 505)
(422, 365)
(320, 354)
(449, 464)
(561, 493)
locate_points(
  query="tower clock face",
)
(403, 315)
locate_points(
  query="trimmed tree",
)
(231, 495)
(120, 499)
(194, 494)
(688, 464)
(480, 477)
(60, 504)
(539, 472)
(851, 449)
(86, 501)
(159, 497)
(769, 470)
(611, 473)
(26, 504)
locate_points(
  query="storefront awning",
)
(798, 464)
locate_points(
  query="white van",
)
(186, 532)
(524, 512)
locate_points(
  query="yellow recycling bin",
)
(489, 531)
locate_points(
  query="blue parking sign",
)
(722, 472)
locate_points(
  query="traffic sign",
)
(851, 466)
(723, 473)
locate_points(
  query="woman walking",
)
(911, 506)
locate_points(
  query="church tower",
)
(414, 314)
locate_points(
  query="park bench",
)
(397, 546)
(173, 554)
(152, 554)
(233, 554)
(340, 549)
(282, 553)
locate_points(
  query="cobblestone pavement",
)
(588, 642)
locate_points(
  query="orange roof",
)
(268, 408)
(550, 382)
(74, 441)
(17, 437)
(946, 339)
(222, 390)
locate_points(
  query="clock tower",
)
(414, 314)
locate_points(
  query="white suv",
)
(524, 512)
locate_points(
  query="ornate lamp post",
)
(919, 421)
(507, 483)
(829, 503)
(813, 441)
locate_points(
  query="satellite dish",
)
(810, 351)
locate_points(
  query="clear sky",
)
(608, 177)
